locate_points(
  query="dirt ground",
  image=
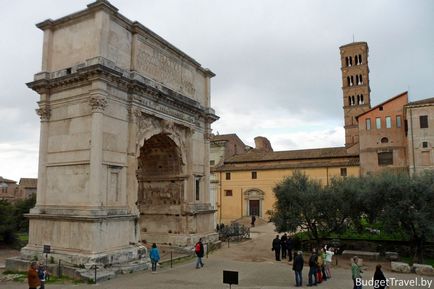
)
(4, 254)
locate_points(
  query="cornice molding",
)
(140, 87)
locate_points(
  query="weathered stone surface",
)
(400, 267)
(124, 141)
(422, 269)
(391, 256)
(365, 254)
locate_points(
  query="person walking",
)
(356, 273)
(283, 240)
(312, 268)
(253, 221)
(198, 249)
(154, 254)
(380, 281)
(32, 276)
(276, 247)
(297, 266)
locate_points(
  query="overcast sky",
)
(277, 63)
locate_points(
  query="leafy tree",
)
(23, 207)
(409, 206)
(297, 205)
(395, 201)
(341, 204)
(7, 224)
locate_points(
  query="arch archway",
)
(160, 185)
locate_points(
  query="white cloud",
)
(18, 160)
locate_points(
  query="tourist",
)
(297, 266)
(198, 249)
(323, 266)
(253, 220)
(380, 281)
(356, 273)
(32, 276)
(283, 241)
(289, 247)
(154, 254)
(320, 264)
(42, 275)
(276, 247)
(329, 256)
(312, 268)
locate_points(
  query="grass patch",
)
(62, 280)
(16, 276)
(23, 237)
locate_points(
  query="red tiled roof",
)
(321, 153)
(28, 182)
(422, 101)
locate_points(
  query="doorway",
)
(254, 207)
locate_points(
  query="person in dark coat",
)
(380, 281)
(253, 221)
(198, 249)
(276, 247)
(312, 268)
(289, 247)
(283, 245)
(297, 266)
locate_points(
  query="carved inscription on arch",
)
(159, 65)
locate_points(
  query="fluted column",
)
(44, 113)
(98, 102)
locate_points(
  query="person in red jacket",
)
(32, 276)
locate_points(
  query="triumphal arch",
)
(124, 141)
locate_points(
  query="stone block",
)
(421, 269)
(400, 267)
(391, 256)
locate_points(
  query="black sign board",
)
(230, 277)
(47, 249)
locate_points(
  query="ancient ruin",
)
(124, 141)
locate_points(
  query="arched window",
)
(360, 59)
(360, 78)
(349, 100)
(384, 140)
(357, 79)
(351, 61)
(346, 61)
(362, 101)
(356, 60)
(352, 100)
(358, 99)
(348, 80)
(352, 81)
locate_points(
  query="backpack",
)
(197, 248)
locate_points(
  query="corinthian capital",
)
(98, 102)
(44, 113)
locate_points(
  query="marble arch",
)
(117, 89)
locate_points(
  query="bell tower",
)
(355, 88)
